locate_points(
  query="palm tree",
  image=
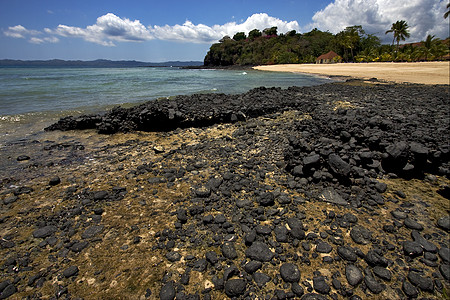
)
(447, 12)
(432, 48)
(400, 30)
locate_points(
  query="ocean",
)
(32, 98)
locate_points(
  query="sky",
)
(170, 30)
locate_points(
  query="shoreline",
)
(417, 72)
(345, 184)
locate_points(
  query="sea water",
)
(32, 98)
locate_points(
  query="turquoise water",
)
(37, 90)
(33, 98)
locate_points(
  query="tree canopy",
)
(352, 44)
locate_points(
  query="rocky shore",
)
(338, 191)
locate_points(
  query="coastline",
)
(417, 72)
(235, 191)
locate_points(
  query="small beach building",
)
(328, 58)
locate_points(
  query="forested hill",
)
(351, 44)
(267, 47)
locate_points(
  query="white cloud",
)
(376, 16)
(19, 32)
(110, 28)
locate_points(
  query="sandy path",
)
(419, 72)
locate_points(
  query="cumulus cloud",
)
(376, 16)
(110, 29)
(19, 32)
(200, 33)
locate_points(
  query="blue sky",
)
(184, 30)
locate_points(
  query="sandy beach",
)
(418, 72)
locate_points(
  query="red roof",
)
(329, 55)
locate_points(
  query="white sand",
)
(417, 72)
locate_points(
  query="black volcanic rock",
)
(259, 251)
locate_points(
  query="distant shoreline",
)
(99, 63)
(416, 72)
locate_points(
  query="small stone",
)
(261, 279)
(8, 291)
(167, 291)
(320, 285)
(411, 224)
(228, 250)
(23, 157)
(259, 251)
(347, 253)
(281, 234)
(424, 283)
(360, 235)
(92, 231)
(409, 289)
(70, 271)
(353, 274)
(426, 245)
(323, 247)
(372, 284)
(412, 249)
(252, 266)
(211, 257)
(290, 272)
(173, 256)
(444, 223)
(266, 199)
(444, 254)
(297, 289)
(54, 181)
(235, 287)
(445, 271)
(382, 273)
(44, 231)
(331, 196)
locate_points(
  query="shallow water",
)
(33, 98)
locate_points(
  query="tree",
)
(350, 38)
(239, 36)
(432, 48)
(255, 33)
(271, 31)
(447, 12)
(400, 30)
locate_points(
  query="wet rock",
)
(353, 274)
(260, 252)
(45, 231)
(290, 272)
(235, 287)
(70, 271)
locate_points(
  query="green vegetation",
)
(352, 44)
